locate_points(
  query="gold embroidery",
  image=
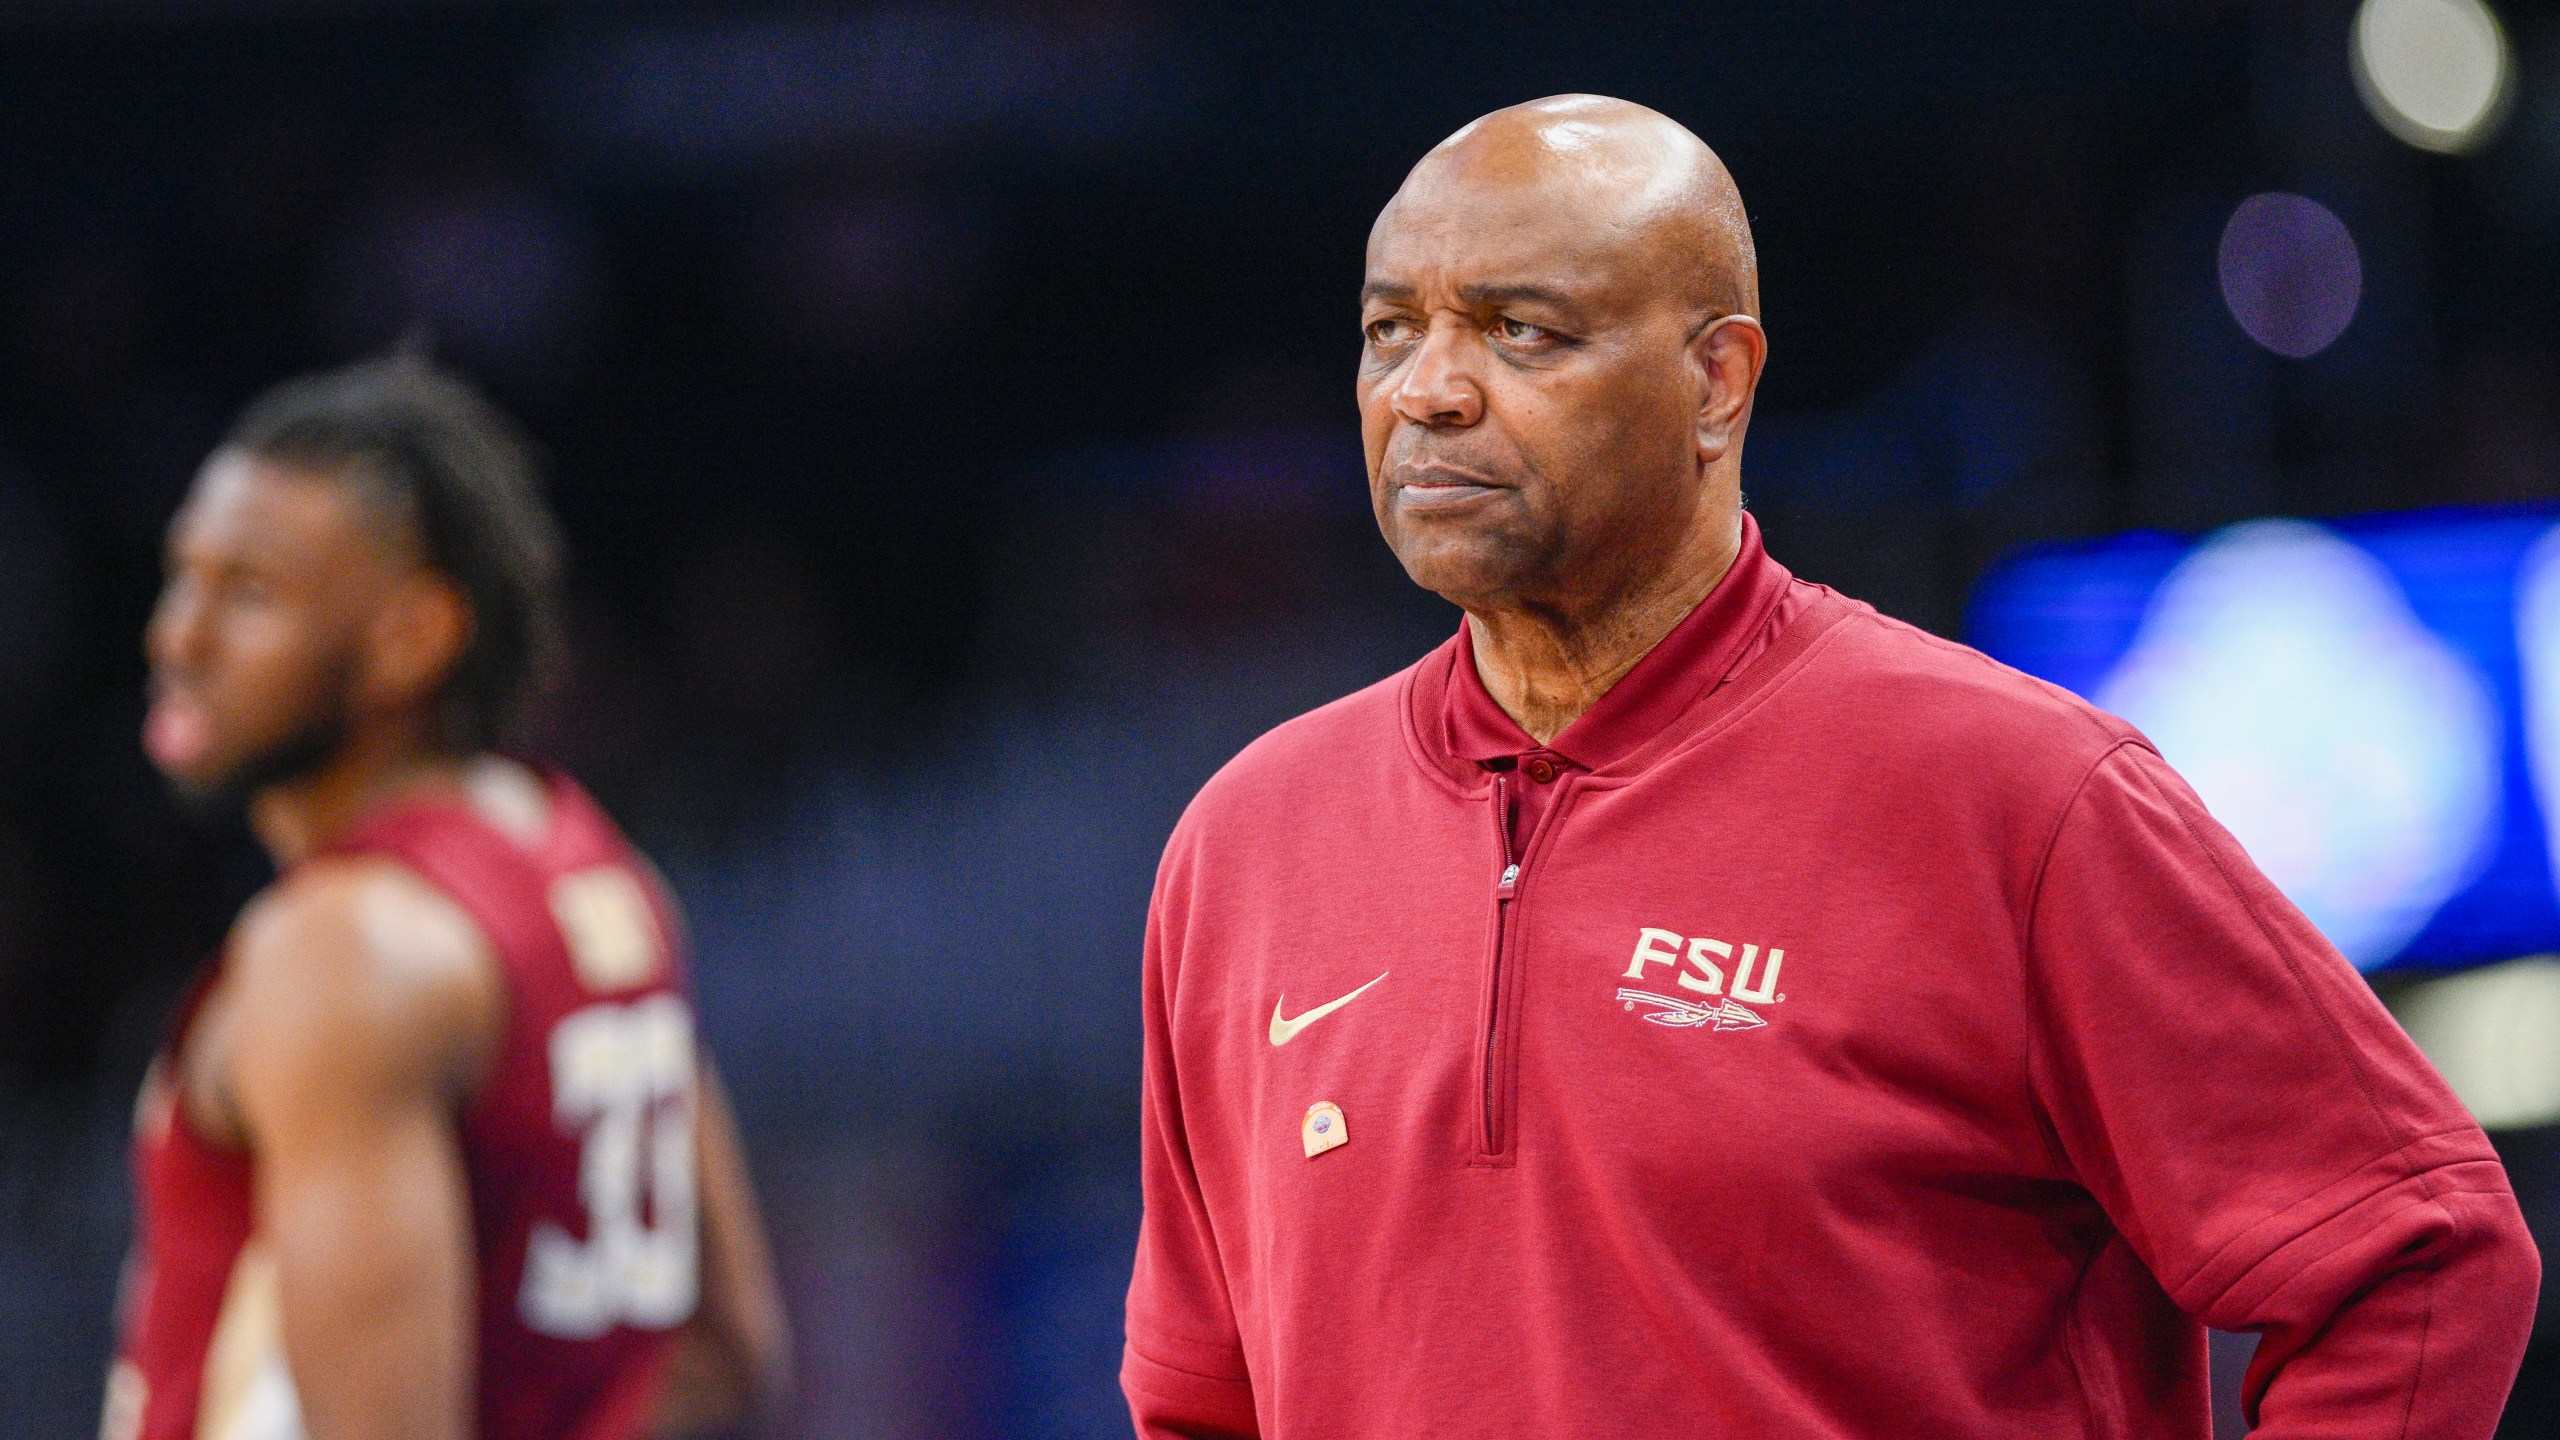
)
(611, 930)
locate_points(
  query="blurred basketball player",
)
(432, 1150)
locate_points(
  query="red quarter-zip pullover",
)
(1750, 606)
(1867, 1040)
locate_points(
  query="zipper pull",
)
(1510, 882)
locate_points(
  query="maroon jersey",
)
(580, 1148)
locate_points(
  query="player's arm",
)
(365, 1007)
(734, 1357)
(2261, 1132)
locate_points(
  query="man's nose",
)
(1440, 389)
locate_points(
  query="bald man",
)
(1688, 1003)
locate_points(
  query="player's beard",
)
(308, 747)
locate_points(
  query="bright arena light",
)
(2436, 73)
(2352, 752)
(2495, 1035)
(2290, 273)
(2538, 670)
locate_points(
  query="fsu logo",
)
(1699, 966)
(1680, 1013)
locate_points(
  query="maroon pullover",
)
(1851, 1037)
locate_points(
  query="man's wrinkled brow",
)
(1481, 297)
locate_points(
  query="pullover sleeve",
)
(1183, 1368)
(2261, 1132)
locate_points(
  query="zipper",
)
(1506, 887)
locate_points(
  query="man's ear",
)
(417, 638)
(1728, 354)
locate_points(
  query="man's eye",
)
(1388, 332)
(1518, 332)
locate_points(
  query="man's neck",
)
(294, 818)
(1547, 665)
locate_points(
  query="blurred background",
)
(950, 406)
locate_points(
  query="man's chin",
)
(217, 795)
(1466, 571)
(209, 798)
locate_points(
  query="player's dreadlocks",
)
(445, 460)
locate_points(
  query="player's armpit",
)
(364, 1004)
(734, 1356)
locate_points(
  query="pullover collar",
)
(1709, 645)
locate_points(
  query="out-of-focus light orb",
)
(2353, 753)
(2290, 273)
(2494, 1033)
(2436, 73)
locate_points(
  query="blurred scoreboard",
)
(2372, 706)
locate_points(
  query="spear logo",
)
(1683, 1015)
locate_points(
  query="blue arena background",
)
(2073, 614)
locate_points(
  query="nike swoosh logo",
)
(1283, 1031)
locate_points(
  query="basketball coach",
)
(1688, 1003)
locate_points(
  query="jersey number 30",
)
(623, 1077)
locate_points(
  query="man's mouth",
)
(177, 732)
(1438, 486)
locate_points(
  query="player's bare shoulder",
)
(348, 966)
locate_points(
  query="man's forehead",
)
(1466, 189)
(1497, 236)
(235, 487)
(251, 503)
(1646, 159)
(1595, 193)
